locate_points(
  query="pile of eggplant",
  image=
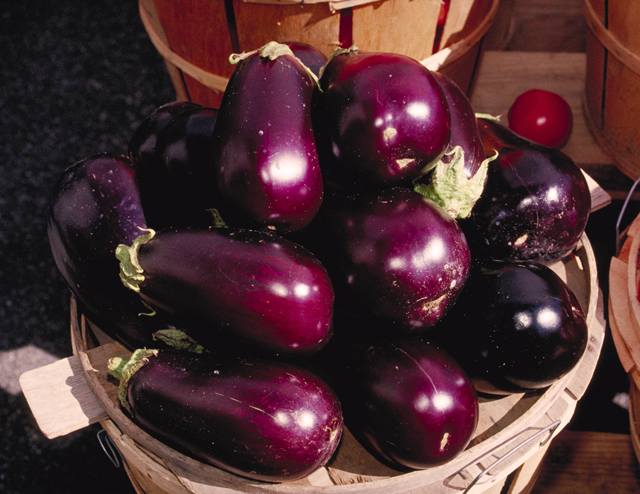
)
(346, 242)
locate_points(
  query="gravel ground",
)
(76, 79)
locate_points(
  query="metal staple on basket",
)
(109, 448)
(551, 428)
(619, 220)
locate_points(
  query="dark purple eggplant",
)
(464, 126)
(143, 142)
(266, 163)
(408, 402)
(95, 206)
(265, 420)
(381, 119)
(535, 204)
(173, 186)
(517, 327)
(459, 178)
(311, 57)
(226, 284)
(394, 253)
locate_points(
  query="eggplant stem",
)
(127, 368)
(450, 188)
(489, 116)
(131, 272)
(272, 50)
(336, 52)
(115, 366)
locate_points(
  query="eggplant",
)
(227, 286)
(381, 119)
(517, 327)
(394, 253)
(464, 126)
(535, 204)
(265, 161)
(459, 178)
(173, 186)
(265, 420)
(311, 57)
(142, 144)
(94, 207)
(408, 402)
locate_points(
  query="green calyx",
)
(176, 338)
(218, 220)
(131, 272)
(123, 369)
(450, 188)
(272, 50)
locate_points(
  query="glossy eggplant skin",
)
(517, 327)
(464, 125)
(266, 163)
(173, 187)
(395, 254)
(408, 402)
(381, 120)
(228, 286)
(265, 420)
(94, 206)
(535, 204)
(310, 56)
(142, 144)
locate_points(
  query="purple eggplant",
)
(459, 178)
(265, 420)
(517, 327)
(394, 253)
(535, 204)
(143, 141)
(228, 285)
(311, 57)
(381, 119)
(95, 206)
(264, 153)
(173, 186)
(464, 126)
(408, 402)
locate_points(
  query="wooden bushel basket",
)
(196, 37)
(624, 320)
(612, 96)
(510, 441)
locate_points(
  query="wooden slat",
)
(589, 463)
(60, 398)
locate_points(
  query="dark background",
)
(76, 78)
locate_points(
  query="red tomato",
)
(542, 116)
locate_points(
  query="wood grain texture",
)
(580, 462)
(401, 26)
(503, 76)
(60, 398)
